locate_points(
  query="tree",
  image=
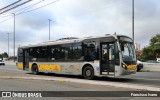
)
(1, 57)
(155, 40)
(152, 51)
(5, 55)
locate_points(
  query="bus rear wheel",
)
(88, 73)
(35, 70)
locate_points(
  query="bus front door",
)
(107, 59)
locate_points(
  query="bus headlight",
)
(124, 66)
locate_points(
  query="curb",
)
(114, 84)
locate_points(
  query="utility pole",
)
(133, 20)
(49, 28)
(14, 37)
(8, 44)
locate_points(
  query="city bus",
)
(108, 55)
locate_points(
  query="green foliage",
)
(12, 58)
(155, 40)
(152, 51)
(3, 55)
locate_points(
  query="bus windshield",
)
(128, 52)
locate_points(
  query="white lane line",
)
(10, 69)
(142, 79)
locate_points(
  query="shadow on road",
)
(111, 79)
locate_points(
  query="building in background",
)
(138, 50)
(137, 46)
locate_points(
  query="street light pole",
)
(8, 44)
(133, 20)
(49, 28)
(14, 37)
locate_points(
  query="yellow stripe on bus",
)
(49, 67)
(20, 65)
(30, 66)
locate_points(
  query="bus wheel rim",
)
(88, 73)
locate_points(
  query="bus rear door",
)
(25, 59)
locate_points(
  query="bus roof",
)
(73, 40)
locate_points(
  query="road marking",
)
(10, 69)
(142, 79)
(146, 79)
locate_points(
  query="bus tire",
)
(88, 73)
(35, 70)
(138, 69)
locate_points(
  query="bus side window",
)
(67, 52)
(33, 53)
(91, 52)
(77, 51)
(55, 53)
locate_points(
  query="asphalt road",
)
(144, 78)
(43, 85)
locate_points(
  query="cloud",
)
(146, 20)
(34, 21)
(145, 11)
(81, 18)
(90, 18)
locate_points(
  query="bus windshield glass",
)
(128, 52)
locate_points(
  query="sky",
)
(77, 18)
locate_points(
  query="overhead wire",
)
(32, 9)
(38, 7)
(2, 16)
(10, 5)
(24, 9)
(10, 15)
(6, 19)
(29, 7)
(50, 4)
(15, 6)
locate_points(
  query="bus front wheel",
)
(88, 73)
(35, 69)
